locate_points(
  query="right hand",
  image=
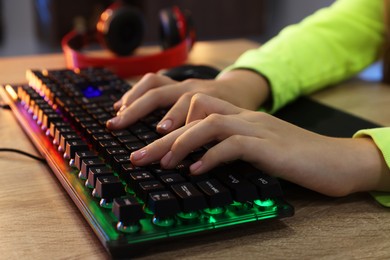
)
(329, 165)
(243, 88)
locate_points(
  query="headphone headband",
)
(127, 66)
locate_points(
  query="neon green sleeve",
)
(329, 46)
(381, 137)
(332, 45)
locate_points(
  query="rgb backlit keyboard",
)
(64, 112)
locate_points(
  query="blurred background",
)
(37, 26)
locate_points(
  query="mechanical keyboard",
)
(64, 113)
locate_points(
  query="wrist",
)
(374, 170)
(251, 88)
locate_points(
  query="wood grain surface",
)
(39, 221)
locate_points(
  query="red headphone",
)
(120, 29)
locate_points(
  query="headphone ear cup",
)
(190, 29)
(173, 26)
(121, 30)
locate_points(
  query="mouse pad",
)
(322, 119)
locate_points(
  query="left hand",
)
(332, 166)
(243, 88)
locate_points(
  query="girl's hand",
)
(333, 166)
(243, 88)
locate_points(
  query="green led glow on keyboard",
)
(129, 206)
(264, 203)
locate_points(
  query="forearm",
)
(324, 49)
(247, 89)
(343, 166)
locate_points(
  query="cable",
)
(4, 106)
(11, 150)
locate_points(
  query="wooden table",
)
(39, 221)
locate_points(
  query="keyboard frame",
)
(121, 246)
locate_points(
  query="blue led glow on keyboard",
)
(91, 92)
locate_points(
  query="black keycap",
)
(95, 110)
(241, 189)
(114, 151)
(119, 133)
(158, 171)
(86, 164)
(39, 104)
(120, 160)
(52, 91)
(163, 204)
(144, 188)
(151, 121)
(183, 167)
(89, 106)
(267, 186)
(197, 178)
(83, 120)
(103, 121)
(98, 116)
(108, 188)
(87, 125)
(96, 138)
(43, 112)
(149, 135)
(81, 155)
(128, 168)
(63, 102)
(170, 179)
(64, 137)
(103, 145)
(61, 130)
(216, 194)
(55, 125)
(138, 128)
(190, 198)
(134, 146)
(90, 131)
(95, 172)
(51, 117)
(128, 139)
(127, 210)
(74, 111)
(134, 178)
(73, 146)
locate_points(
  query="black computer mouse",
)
(184, 72)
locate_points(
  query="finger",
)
(176, 116)
(146, 83)
(156, 150)
(150, 101)
(236, 147)
(214, 128)
(203, 105)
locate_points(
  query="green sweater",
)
(327, 47)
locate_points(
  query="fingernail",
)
(165, 125)
(195, 167)
(138, 155)
(121, 109)
(112, 121)
(117, 105)
(166, 159)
